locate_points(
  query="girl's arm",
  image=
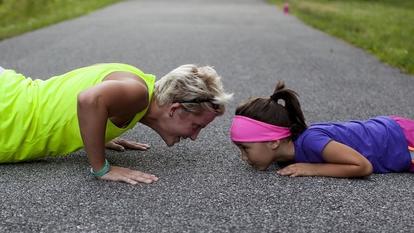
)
(341, 161)
(95, 106)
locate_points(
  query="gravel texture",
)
(204, 186)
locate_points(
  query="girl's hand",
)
(128, 176)
(299, 169)
(120, 144)
(340, 161)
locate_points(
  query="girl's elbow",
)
(366, 169)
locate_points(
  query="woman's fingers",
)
(129, 181)
(127, 144)
(135, 145)
(129, 176)
(114, 146)
(141, 177)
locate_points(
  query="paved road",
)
(204, 186)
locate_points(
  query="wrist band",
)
(105, 169)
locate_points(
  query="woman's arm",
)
(96, 105)
(341, 161)
(92, 117)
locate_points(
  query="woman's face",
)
(258, 154)
(183, 124)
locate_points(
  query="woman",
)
(91, 106)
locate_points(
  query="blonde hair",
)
(196, 88)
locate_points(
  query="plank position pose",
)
(91, 106)
(273, 129)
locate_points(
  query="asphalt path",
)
(204, 186)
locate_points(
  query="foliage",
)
(385, 28)
(18, 16)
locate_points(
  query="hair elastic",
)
(245, 129)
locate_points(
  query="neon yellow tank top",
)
(39, 118)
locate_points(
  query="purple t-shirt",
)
(380, 140)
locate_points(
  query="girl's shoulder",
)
(310, 144)
(313, 139)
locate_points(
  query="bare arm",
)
(341, 161)
(96, 105)
(92, 116)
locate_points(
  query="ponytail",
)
(292, 105)
(271, 111)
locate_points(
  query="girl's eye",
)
(241, 147)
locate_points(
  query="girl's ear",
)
(274, 144)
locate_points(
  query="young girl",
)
(269, 130)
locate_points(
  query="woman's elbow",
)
(85, 99)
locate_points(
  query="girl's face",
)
(258, 154)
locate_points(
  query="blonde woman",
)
(91, 106)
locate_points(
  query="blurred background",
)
(19, 16)
(384, 28)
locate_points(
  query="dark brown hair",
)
(271, 110)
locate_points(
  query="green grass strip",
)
(385, 28)
(19, 16)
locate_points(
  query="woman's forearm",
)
(92, 116)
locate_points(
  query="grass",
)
(385, 28)
(19, 16)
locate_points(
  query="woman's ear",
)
(173, 108)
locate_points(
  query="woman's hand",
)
(120, 144)
(128, 176)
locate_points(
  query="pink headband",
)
(244, 129)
